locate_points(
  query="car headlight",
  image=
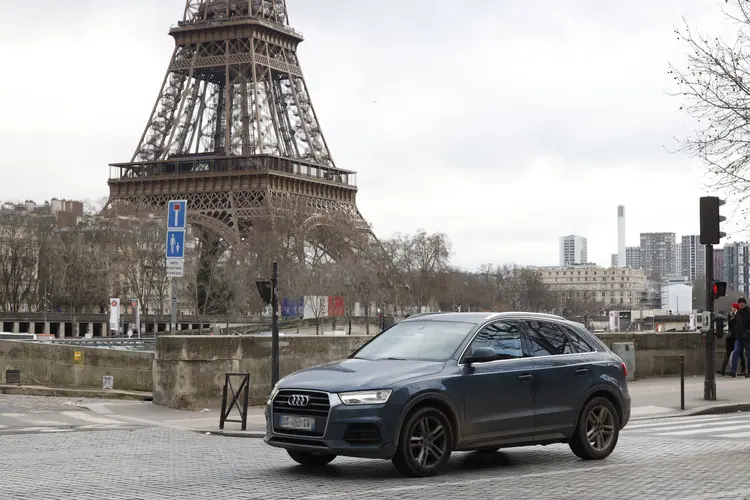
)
(274, 392)
(377, 397)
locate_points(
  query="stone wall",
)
(189, 371)
(658, 354)
(74, 366)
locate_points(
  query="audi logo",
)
(298, 400)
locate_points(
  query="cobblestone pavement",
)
(163, 463)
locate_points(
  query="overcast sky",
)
(504, 123)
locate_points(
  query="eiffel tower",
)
(233, 129)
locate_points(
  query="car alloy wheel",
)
(597, 432)
(600, 428)
(425, 443)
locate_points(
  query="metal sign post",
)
(269, 292)
(709, 384)
(275, 325)
(175, 254)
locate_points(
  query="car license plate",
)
(297, 423)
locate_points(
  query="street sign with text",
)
(177, 214)
(176, 271)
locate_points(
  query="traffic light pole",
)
(709, 387)
(275, 324)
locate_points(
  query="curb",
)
(237, 434)
(696, 412)
(718, 409)
(20, 390)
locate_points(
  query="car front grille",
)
(287, 403)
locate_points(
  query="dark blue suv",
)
(438, 383)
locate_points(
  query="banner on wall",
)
(336, 307)
(292, 307)
(114, 315)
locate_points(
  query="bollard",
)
(682, 381)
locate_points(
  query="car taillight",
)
(624, 369)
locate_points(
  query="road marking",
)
(23, 429)
(718, 494)
(472, 482)
(12, 415)
(46, 423)
(89, 418)
(686, 426)
(736, 435)
(56, 430)
(215, 418)
(670, 423)
(731, 417)
(704, 431)
(3, 426)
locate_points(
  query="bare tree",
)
(420, 259)
(715, 89)
(18, 262)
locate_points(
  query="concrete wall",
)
(658, 354)
(60, 366)
(189, 371)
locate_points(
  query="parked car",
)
(434, 384)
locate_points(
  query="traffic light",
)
(719, 289)
(719, 326)
(265, 289)
(710, 220)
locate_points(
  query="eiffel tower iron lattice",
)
(233, 129)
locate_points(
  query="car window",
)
(504, 337)
(575, 339)
(548, 339)
(417, 340)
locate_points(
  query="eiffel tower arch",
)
(233, 129)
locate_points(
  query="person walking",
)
(741, 334)
(729, 344)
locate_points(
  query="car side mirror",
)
(481, 355)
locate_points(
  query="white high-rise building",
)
(621, 257)
(692, 256)
(573, 250)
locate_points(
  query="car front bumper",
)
(366, 431)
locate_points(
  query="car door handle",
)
(525, 376)
(582, 371)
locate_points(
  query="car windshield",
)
(417, 340)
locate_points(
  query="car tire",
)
(310, 459)
(414, 457)
(598, 430)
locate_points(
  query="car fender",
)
(424, 396)
(600, 387)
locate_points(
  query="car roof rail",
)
(418, 315)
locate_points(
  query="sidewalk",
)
(205, 420)
(660, 397)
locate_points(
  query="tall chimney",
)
(621, 256)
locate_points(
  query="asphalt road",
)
(162, 463)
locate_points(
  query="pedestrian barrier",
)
(240, 399)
